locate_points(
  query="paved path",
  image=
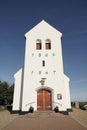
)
(39, 121)
(6, 118)
(80, 116)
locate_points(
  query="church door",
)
(44, 99)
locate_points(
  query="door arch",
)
(44, 100)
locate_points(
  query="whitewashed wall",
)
(18, 90)
(56, 81)
(33, 64)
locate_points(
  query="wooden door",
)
(44, 100)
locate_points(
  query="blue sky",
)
(68, 16)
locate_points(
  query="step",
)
(43, 114)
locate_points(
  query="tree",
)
(6, 92)
(10, 94)
(3, 89)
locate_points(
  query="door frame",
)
(48, 89)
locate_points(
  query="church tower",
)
(41, 83)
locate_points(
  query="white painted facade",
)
(27, 79)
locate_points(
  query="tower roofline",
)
(43, 24)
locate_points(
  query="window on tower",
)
(48, 44)
(43, 63)
(38, 44)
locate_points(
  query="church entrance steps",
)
(44, 114)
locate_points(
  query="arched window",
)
(38, 44)
(48, 44)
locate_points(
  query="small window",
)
(43, 63)
(38, 44)
(48, 44)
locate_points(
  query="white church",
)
(41, 83)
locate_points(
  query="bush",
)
(31, 109)
(73, 104)
(85, 107)
(81, 105)
(56, 109)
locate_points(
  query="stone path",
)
(41, 121)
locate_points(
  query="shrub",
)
(31, 109)
(56, 109)
(81, 105)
